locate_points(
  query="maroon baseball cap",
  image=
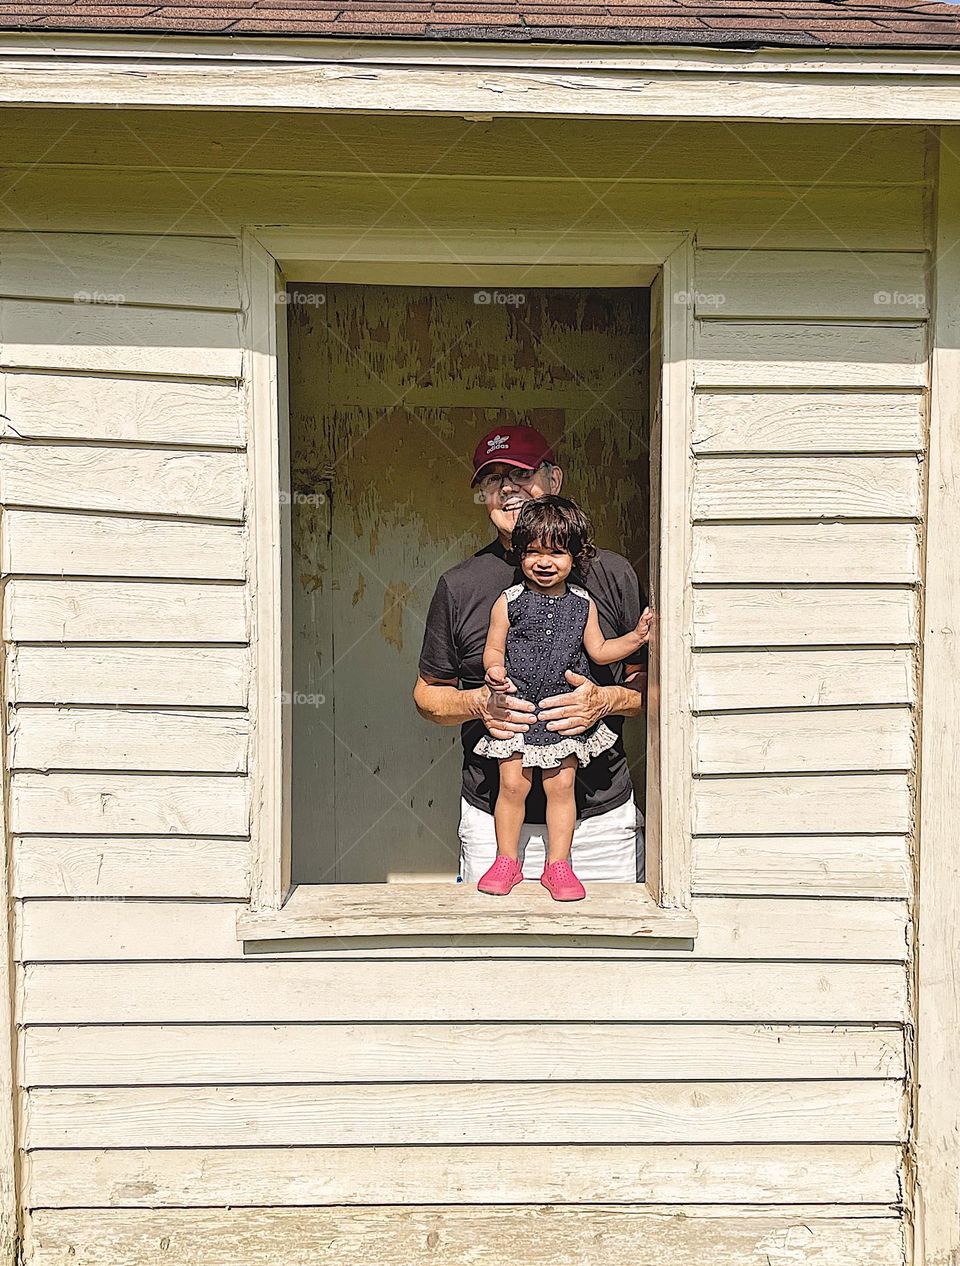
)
(515, 445)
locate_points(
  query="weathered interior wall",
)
(742, 1102)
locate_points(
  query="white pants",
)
(608, 846)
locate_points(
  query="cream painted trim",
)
(936, 1141)
(275, 255)
(502, 276)
(215, 72)
(390, 910)
(675, 613)
(466, 53)
(268, 563)
(11, 1101)
(306, 254)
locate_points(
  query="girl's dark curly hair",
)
(558, 523)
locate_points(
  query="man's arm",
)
(443, 703)
(437, 695)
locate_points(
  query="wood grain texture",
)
(122, 803)
(439, 908)
(670, 660)
(937, 1069)
(491, 1174)
(117, 338)
(806, 553)
(531, 150)
(728, 928)
(136, 611)
(706, 89)
(269, 473)
(808, 865)
(825, 421)
(797, 742)
(819, 803)
(527, 1112)
(100, 407)
(727, 213)
(536, 1235)
(11, 1181)
(801, 678)
(803, 487)
(837, 284)
(188, 676)
(170, 271)
(137, 481)
(290, 990)
(211, 1054)
(135, 866)
(165, 742)
(808, 354)
(810, 616)
(45, 543)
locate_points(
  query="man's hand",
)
(503, 715)
(576, 711)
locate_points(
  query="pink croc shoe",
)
(503, 875)
(561, 883)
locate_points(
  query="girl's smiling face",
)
(546, 566)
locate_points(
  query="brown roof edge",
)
(736, 24)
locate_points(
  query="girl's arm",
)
(611, 650)
(494, 651)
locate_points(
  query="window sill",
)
(618, 911)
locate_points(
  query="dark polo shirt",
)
(453, 643)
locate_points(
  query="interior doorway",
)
(389, 389)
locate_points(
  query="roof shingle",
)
(926, 24)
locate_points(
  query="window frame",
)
(272, 258)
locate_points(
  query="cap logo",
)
(498, 441)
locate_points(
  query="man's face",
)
(503, 498)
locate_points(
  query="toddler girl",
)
(538, 630)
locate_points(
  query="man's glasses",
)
(516, 475)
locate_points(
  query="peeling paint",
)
(395, 599)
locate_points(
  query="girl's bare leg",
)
(515, 782)
(558, 786)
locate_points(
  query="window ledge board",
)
(459, 910)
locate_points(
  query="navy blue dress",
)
(545, 638)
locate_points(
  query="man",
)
(514, 464)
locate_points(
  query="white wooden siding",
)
(141, 675)
(314, 1053)
(143, 410)
(49, 543)
(806, 553)
(540, 1235)
(492, 1174)
(801, 678)
(806, 493)
(129, 930)
(266, 991)
(179, 1093)
(150, 480)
